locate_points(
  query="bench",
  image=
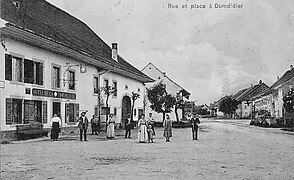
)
(28, 131)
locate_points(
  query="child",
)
(150, 134)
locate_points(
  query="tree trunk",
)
(132, 110)
(163, 117)
(177, 115)
(106, 116)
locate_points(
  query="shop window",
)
(13, 68)
(56, 77)
(71, 81)
(33, 111)
(71, 112)
(13, 111)
(96, 84)
(114, 85)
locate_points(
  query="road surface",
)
(226, 149)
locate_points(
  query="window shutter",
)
(66, 113)
(8, 111)
(45, 117)
(8, 67)
(41, 74)
(76, 112)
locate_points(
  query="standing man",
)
(195, 121)
(83, 126)
(94, 125)
(128, 126)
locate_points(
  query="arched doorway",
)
(126, 108)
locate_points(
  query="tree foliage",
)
(228, 105)
(161, 101)
(289, 101)
(134, 97)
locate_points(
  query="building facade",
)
(172, 88)
(50, 67)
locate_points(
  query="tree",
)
(228, 106)
(161, 101)
(108, 90)
(179, 104)
(134, 97)
(289, 101)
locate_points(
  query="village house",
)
(272, 99)
(172, 88)
(52, 63)
(245, 98)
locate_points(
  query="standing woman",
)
(167, 125)
(110, 127)
(142, 130)
(55, 124)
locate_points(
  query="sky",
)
(210, 52)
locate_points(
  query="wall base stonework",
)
(8, 136)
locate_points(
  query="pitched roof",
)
(185, 93)
(287, 76)
(250, 92)
(239, 93)
(46, 20)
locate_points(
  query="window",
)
(20, 111)
(13, 68)
(114, 85)
(114, 111)
(96, 84)
(28, 71)
(13, 111)
(71, 81)
(71, 112)
(106, 83)
(126, 87)
(56, 77)
(39, 70)
(135, 112)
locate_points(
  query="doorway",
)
(56, 109)
(126, 109)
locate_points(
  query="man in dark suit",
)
(83, 126)
(195, 121)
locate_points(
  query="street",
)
(226, 149)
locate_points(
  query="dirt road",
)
(225, 150)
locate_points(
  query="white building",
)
(54, 63)
(171, 87)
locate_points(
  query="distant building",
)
(272, 99)
(245, 98)
(171, 87)
(54, 63)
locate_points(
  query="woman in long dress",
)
(55, 124)
(110, 127)
(142, 130)
(167, 125)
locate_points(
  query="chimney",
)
(278, 77)
(114, 51)
(291, 67)
(260, 81)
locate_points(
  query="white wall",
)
(84, 83)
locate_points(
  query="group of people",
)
(146, 130)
